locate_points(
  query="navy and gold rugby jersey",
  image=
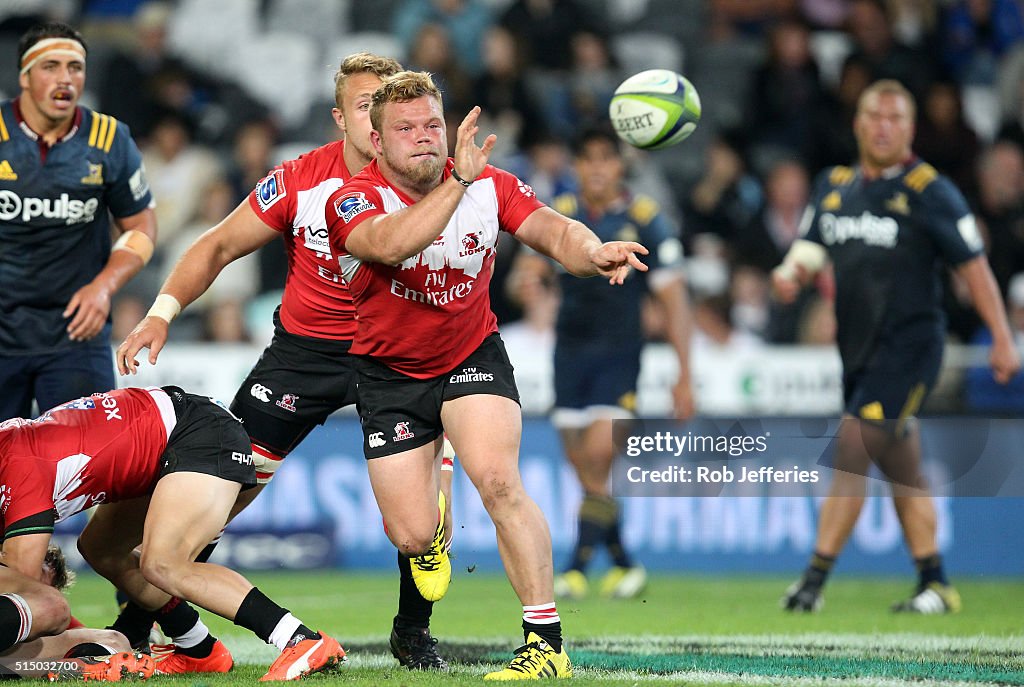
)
(888, 239)
(593, 311)
(54, 227)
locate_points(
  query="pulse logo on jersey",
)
(872, 230)
(271, 189)
(351, 205)
(72, 211)
(5, 498)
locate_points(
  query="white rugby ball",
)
(655, 109)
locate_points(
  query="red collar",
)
(75, 124)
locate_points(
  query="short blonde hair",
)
(363, 63)
(888, 87)
(401, 88)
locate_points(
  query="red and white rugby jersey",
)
(98, 449)
(291, 199)
(426, 315)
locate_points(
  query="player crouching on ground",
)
(30, 612)
(167, 467)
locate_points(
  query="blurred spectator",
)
(432, 51)
(580, 99)
(726, 198)
(983, 392)
(786, 96)
(545, 28)
(714, 330)
(914, 22)
(875, 44)
(1011, 96)
(252, 155)
(464, 21)
(976, 35)
(834, 143)
(943, 137)
(501, 92)
(139, 85)
(178, 171)
(749, 295)
(763, 243)
(224, 322)
(531, 285)
(751, 17)
(1001, 208)
(828, 15)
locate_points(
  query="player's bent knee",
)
(50, 612)
(160, 572)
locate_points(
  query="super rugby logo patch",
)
(351, 205)
(270, 190)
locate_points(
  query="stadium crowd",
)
(779, 81)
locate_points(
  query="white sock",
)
(542, 614)
(284, 630)
(191, 638)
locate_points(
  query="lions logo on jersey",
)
(351, 205)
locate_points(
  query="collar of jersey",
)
(23, 125)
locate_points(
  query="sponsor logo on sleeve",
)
(526, 190)
(351, 205)
(270, 190)
(137, 183)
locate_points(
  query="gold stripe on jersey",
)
(110, 135)
(101, 134)
(643, 209)
(565, 204)
(3, 129)
(919, 177)
(840, 176)
(94, 129)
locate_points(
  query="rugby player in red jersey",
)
(415, 236)
(164, 468)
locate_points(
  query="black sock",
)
(818, 569)
(260, 615)
(413, 610)
(929, 569)
(596, 514)
(10, 623)
(303, 632)
(200, 650)
(177, 618)
(134, 622)
(204, 555)
(550, 633)
(613, 540)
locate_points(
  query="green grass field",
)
(683, 630)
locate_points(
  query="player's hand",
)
(88, 310)
(151, 333)
(683, 405)
(1005, 361)
(615, 258)
(787, 282)
(470, 159)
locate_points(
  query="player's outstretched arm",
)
(393, 237)
(90, 305)
(577, 248)
(1004, 358)
(239, 234)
